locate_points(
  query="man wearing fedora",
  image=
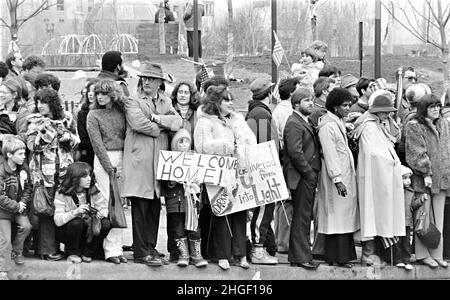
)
(112, 68)
(260, 121)
(150, 117)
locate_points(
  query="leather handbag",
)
(424, 226)
(115, 208)
(42, 202)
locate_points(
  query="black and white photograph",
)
(224, 145)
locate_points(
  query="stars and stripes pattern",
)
(276, 93)
(204, 75)
(389, 242)
(277, 53)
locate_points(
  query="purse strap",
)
(432, 207)
(41, 181)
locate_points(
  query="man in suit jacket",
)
(301, 169)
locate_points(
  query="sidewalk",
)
(36, 269)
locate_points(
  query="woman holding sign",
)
(338, 215)
(222, 131)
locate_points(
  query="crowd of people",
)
(357, 166)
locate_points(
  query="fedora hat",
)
(381, 101)
(153, 70)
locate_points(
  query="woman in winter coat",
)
(85, 147)
(106, 127)
(222, 131)
(51, 139)
(338, 213)
(380, 184)
(428, 155)
(78, 206)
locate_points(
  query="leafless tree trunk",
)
(391, 31)
(230, 39)
(162, 34)
(313, 18)
(15, 21)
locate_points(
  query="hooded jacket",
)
(259, 119)
(380, 184)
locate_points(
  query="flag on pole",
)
(276, 93)
(389, 242)
(277, 53)
(204, 75)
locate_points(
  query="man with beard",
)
(301, 167)
(112, 68)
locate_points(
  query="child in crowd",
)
(182, 205)
(402, 250)
(15, 193)
(80, 211)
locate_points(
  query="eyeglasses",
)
(148, 79)
(434, 106)
(411, 78)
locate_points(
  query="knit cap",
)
(406, 171)
(182, 133)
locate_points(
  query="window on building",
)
(59, 4)
(209, 8)
(90, 5)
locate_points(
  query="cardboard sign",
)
(195, 167)
(261, 183)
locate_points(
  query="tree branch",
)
(4, 23)
(428, 2)
(413, 32)
(416, 12)
(446, 18)
(41, 8)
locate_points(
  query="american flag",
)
(277, 53)
(204, 75)
(389, 242)
(276, 93)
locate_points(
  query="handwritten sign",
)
(195, 167)
(262, 182)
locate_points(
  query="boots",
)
(261, 257)
(196, 255)
(183, 257)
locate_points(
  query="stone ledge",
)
(35, 269)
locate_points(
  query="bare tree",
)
(230, 39)
(313, 17)
(16, 21)
(436, 18)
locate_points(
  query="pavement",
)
(36, 269)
